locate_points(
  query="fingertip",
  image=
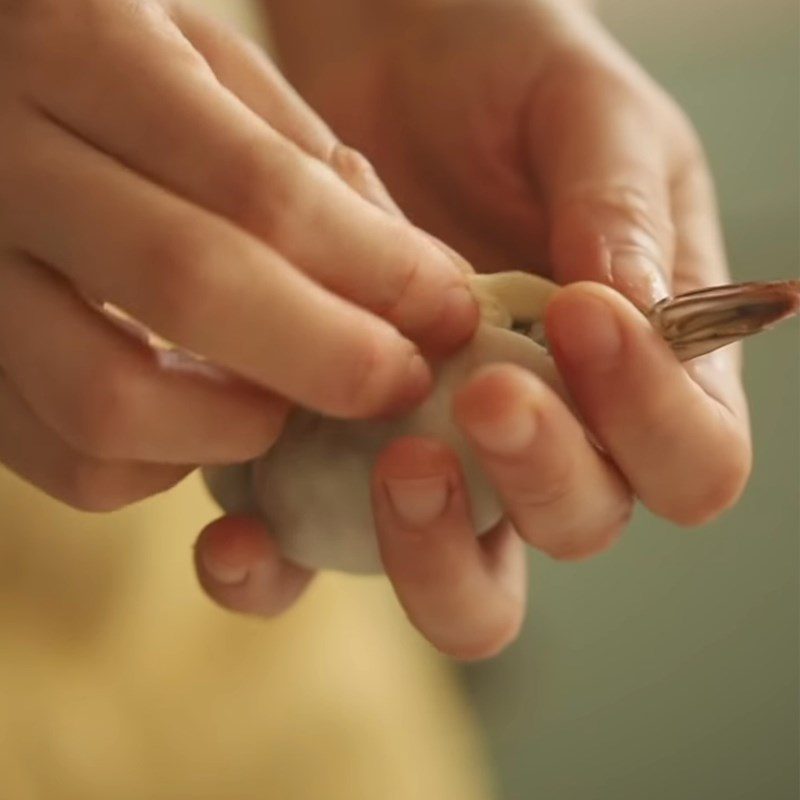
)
(588, 324)
(241, 569)
(229, 548)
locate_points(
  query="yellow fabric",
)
(119, 680)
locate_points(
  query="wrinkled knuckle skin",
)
(402, 292)
(357, 171)
(630, 204)
(104, 421)
(363, 382)
(352, 167)
(490, 642)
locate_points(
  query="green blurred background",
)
(669, 668)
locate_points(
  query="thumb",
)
(598, 156)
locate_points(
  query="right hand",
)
(152, 160)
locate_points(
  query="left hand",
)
(524, 137)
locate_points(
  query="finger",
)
(113, 397)
(700, 261)
(35, 453)
(200, 282)
(243, 67)
(603, 169)
(467, 596)
(241, 568)
(216, 152)
(685, 454)
(561, 495)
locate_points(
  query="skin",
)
(583, 170)
(145, 194)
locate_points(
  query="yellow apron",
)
(119, 680)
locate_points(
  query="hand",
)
(156, 162)
(520, 134)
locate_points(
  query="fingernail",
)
(508, 435)
(591, 335)
(418, 502)
(225, 574)
(637, 275)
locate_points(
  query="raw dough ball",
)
(313, 487)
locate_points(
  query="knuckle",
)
(630, 204)
(400, 288)
(104, 419)
(259, 186)
(352, 167)
(357, 172)
(263, 426)
(363, 383)
(179, 283)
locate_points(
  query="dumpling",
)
(313, 487)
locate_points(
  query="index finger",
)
(199, 281)
(216, 152)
